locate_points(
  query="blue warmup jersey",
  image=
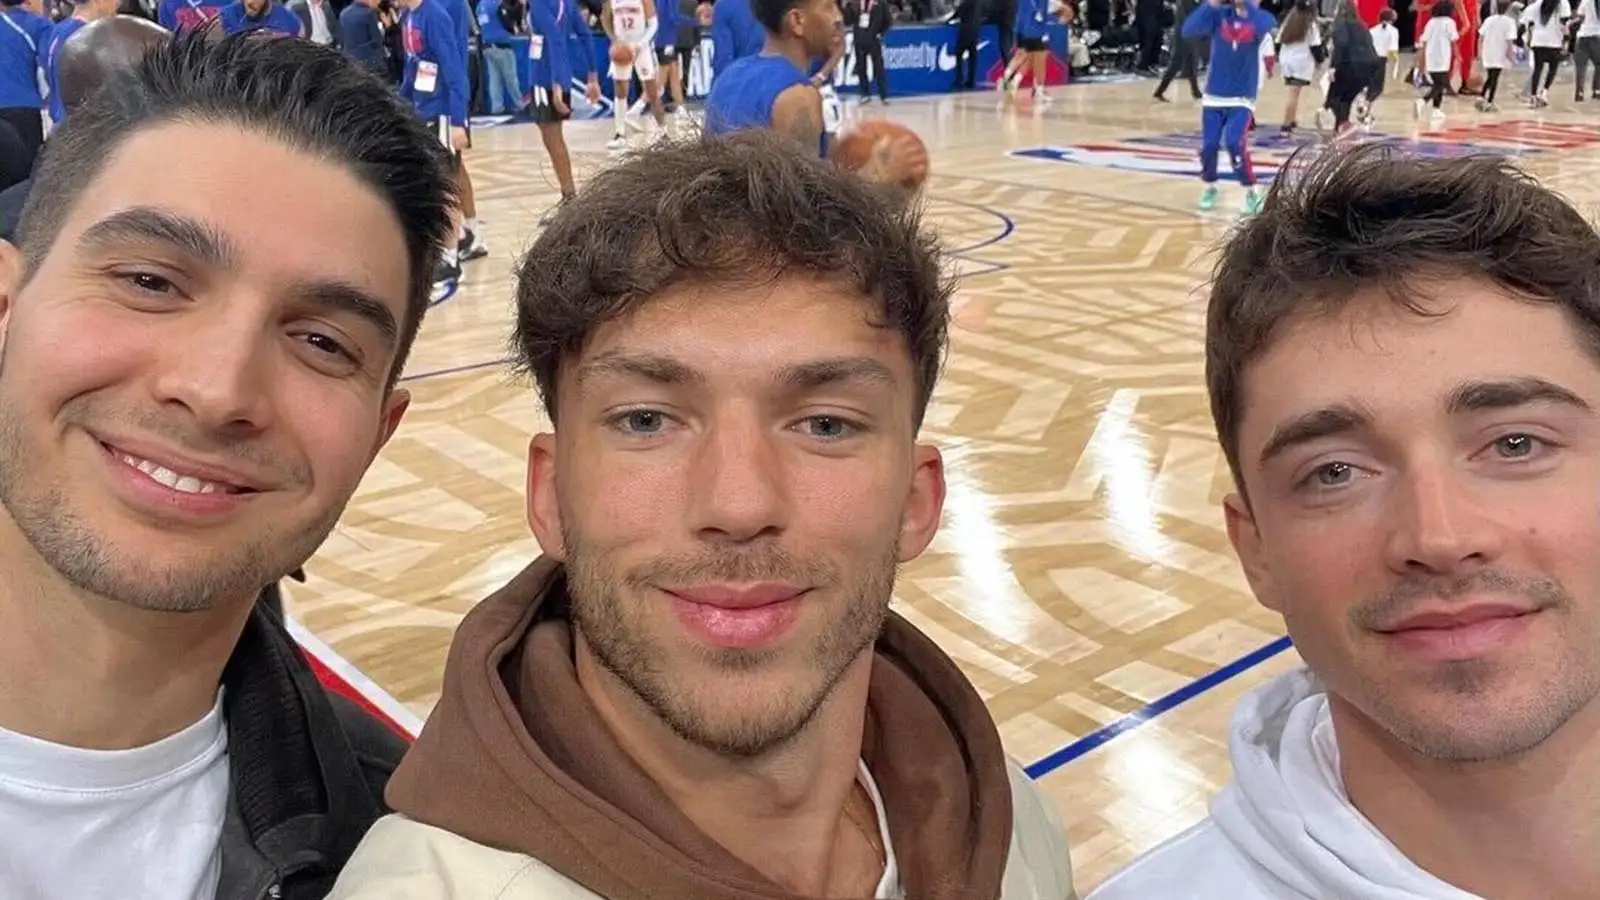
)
(275, 20)
(743, 96)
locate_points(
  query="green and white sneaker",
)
(1252, 202)
(1208, 198)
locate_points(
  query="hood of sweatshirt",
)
(1286, 810)
(515, 757)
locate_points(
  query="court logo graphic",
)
(1178, 154)
(1129, 156)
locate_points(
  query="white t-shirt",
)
(90, 824)
(1385, 39)
(1590, 26)
(1438, 41)
(1295, 60)
(1546, 34)
(1498, 32)
(889, 885)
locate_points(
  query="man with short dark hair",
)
(268, 16)
(83, 12)
(773, 89)
(1403, 358)
(435, 82)
(194, 376)
(700, 693)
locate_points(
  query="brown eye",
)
(150, 284)
(328, 345)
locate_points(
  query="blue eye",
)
(1516, 446)
(640, 422)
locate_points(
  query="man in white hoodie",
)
(1403, 358)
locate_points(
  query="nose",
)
(1436, 527)
(217, 368)
(737, 486)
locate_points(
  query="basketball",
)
(622, 54)
(856, 147)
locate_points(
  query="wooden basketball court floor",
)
(1082, 577)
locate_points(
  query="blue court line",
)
(1155, 708)
(456, 370)
(1007, 225)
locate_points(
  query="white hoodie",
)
(1283, 829)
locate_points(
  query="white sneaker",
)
(617, 142)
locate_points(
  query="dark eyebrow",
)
(1509, 393)
(198, 241)
(826, 372)
(338, 297)
(1315, 425)
(1471, 396)
(665, 370)
(644, 366)
(147, 225)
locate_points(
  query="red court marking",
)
(340, 676)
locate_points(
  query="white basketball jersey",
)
(627, 20)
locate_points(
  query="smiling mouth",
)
(177, 481)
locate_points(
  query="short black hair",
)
(770, 13)
(1370, 217)
(307, 96)
(741, 209)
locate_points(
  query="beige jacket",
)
(405, 860)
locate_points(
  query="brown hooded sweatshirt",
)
(515, 757)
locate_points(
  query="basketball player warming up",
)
(774, 90)
(1227, 107)
(631, 25)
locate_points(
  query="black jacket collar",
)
(303, 792)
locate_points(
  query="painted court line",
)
(1156, 707)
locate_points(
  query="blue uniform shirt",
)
(276, 20)
(24, 41)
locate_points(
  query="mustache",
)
(95, 413)
(1398, 601)
(744, 565)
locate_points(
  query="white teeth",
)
(184, 484)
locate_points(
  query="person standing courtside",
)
(1184, 58)
(83, 12)
(667, 56)
(24, 40)
(470, 244)
(318, 21)
(968, 19)
(195, 375)
(771, 89)
(361, 37)
(267, 16)
(1402, 365)
(184, 15)
(869, 22)
(97, 51)
(435, 83)
(736, 32)
(499, 21)
(704, 695)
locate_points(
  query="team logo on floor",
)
(1179, 153)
